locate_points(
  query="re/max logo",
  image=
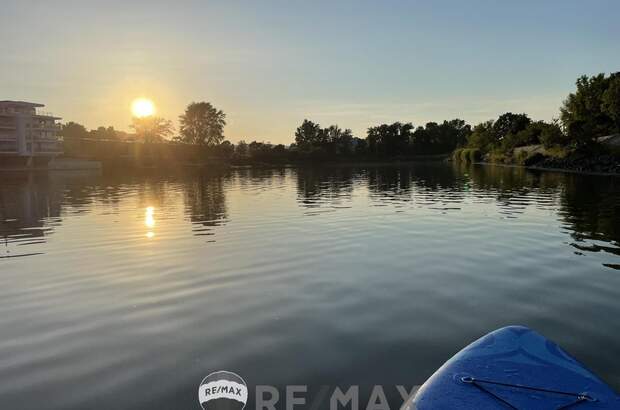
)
(223, 390)
(296, 397)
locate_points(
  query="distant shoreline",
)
(326, 164)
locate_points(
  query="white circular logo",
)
(223, 391)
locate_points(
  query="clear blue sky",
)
(270, 64)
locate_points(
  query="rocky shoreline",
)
(598, 164)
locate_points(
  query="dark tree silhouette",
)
(152, 129)
(510, 123)
(440, 138)
(310, 138)
(73, 131)
(390, 140)
(103, 133)
(308, 135)
(202, 124)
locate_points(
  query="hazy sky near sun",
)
(270, 64)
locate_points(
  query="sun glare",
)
(142, 107)
(149, 220)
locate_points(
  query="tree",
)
(611, 101)
(538, 132)
(73, 131)
(390, 140)
(459, 131)
(440, 138)
(482, 136)
(225, 150)
(510, 123)
(152, 129)
(103, 133)
(552, 135)
(360, 146)
(202, 124)
(338, 141)
(310, 138)
(591, 111)
(241, 149)
(308, 135)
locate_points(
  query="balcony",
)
(43, 147)
(8, 147)
(7, 124)
(46, 114)
(46, 127)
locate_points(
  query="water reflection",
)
(205, 204)
(326, 187)
(32, 206)
(30, 209)
(316, 275)
(149, 221)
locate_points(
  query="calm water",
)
(125, 291)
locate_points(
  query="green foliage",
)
(611, 101)
(535, 133)
(509, 124)
(552, 135)
(499, 138)
(467, 155)
(498, 157)
(202, 124)
(521, 157)
(593, 110)
(483, 137)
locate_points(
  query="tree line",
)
(200, 124)
(591, 111)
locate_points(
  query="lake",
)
(124, 290)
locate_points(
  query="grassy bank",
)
(593, 159)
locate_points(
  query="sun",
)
(142, 107)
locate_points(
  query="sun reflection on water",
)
(149, 221)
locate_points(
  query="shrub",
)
(467, 155)
(497, 157)
(521, 157)
(552, 135)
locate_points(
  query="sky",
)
(270, 64)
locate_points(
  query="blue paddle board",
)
(513, 368)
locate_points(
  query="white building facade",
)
(26, 132)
